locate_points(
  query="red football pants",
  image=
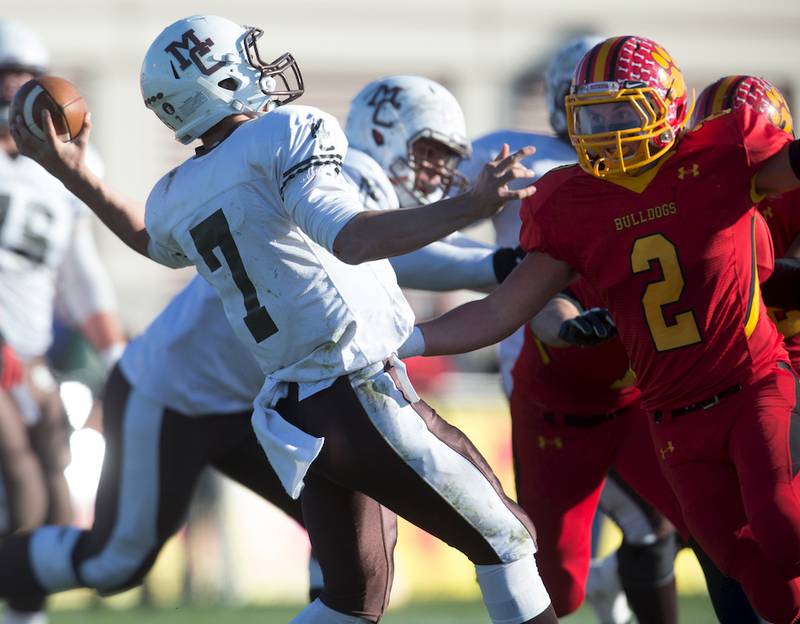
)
(732, 469)
(560, 472)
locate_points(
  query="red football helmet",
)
(732, 92)
(627, 104)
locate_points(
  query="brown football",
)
(65, 103)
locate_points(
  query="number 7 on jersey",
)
(215, 232)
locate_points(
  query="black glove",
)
(506, 260)
(590, 328)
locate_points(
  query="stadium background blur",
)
(491, 55)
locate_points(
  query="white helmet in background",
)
(20, 51)
(558, 78)
(389, 116)
(204, 68)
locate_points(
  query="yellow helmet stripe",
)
(599, 73)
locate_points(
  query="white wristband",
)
(414, 345)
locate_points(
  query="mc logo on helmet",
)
(384, 96)
(197, 49)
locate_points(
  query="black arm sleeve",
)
(782, 289)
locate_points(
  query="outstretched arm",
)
(67, 162)
(375, 234)
(481, 323)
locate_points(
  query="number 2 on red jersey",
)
(682, 331)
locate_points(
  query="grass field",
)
(693, 610)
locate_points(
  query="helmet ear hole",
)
(377, 136)
(230, 84)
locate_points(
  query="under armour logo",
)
(198, 48)
(380, 100)
(667, 449)
(683, 171)
(554, 442)
(768, 212)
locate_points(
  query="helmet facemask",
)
(618, 128)
(274, 82)
(429, 171)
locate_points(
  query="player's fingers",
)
(508, 161)
(509, 194)
(49, 129)
(599, 327)
(82, 137)
(517, 171)
(584, 325)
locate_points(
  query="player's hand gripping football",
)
(57, 157)
(491, 191)
(592, 327)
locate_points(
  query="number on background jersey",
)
(33, 244)
(214, 232)
(683, 330)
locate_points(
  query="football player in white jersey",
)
(45, 241)
(187, 383)
(265, 214)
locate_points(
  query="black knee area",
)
(647, 565)
(27, 603)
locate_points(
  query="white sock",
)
(512, 592)
(318, 613)
(604, 592)
(24, 617)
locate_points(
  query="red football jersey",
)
(765, 251)
(782, 215)
(574, 380)
(672, 253)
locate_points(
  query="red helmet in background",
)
(731, 92)
(627, 105)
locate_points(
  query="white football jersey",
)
(452, 263)
(551, 152)
(258, 215)
(375, 190)
(37, 221)
(190, 360)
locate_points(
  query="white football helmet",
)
(558, 78)
(204, 68)
(20, 51)
(387, 118)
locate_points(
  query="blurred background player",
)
(406, 139)
(45, 245)
(713, 373)
(782, 213)
(181, 397)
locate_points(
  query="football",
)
(65, 103)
